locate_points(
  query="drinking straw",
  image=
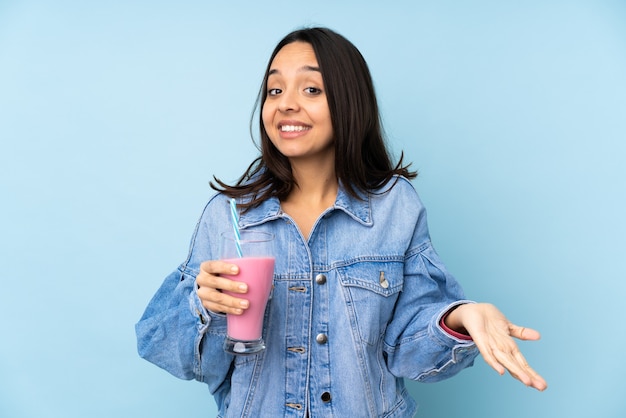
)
(235, 221)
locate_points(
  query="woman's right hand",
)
(209, 287)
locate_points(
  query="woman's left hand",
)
(493, 335)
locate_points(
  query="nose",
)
(289, 101)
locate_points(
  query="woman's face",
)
(295, 112)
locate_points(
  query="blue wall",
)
(114, 116)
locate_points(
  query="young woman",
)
(361, 300)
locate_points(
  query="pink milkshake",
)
(253, 251)
(257, 273)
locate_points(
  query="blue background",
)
(114, 116)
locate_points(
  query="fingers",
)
(488, 355)
(219, 302)
(503, 354)
(523, 333)
(218, 293)
(535, 380)
(217, 267)
(493, 335)
(519, 368)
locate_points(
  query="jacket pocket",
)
(370, 290)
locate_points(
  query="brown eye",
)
(313, 90)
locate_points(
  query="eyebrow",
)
(300, 70)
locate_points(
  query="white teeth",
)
(293, 128)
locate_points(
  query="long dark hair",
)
(362, 162)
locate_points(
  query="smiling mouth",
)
(293, 128)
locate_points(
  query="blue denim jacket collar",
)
(357, 208)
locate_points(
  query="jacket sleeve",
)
(177, 333)
(416, 345)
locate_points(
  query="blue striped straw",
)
(235, 221)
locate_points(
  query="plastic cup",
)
(256, 269)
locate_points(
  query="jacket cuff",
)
(457, 336)
(204, 316)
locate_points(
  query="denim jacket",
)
(354, 310)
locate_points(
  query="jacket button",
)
(326, 397)
(320, 279)
(321, 338)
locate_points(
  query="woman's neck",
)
(316, 182)
(316, 191)
(314, 194)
